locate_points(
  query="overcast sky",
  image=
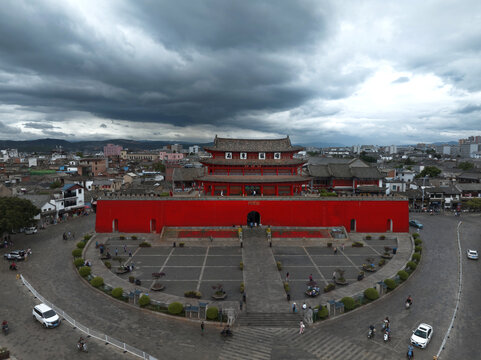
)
(345, 72)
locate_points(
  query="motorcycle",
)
(226, 333)
(371, 333)
(387, 336)
(82, 346)
(408, 304)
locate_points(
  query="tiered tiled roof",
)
(254, 179)
(266, 162)
(253, 145)
(344, 171)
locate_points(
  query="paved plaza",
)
(200, 266)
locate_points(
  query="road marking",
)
(460, 287)
(317, 269)
(203, 267)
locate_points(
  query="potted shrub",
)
(329, 287)
(329, 244)
(368, 237)
(387, 253)
(193, 294)
(340, 280)
(381, 262)
(242, 288)
(4, 353)
(279, 265)
(219, 293)
(181, 244)
(241, 265)
(131, 279)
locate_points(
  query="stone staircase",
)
(284, 320)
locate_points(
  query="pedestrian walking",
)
(116, 252)
(304, 307)
(310, 278)
(125, 248)
(342, 246)
(202, 326)
(287, 276)
(301, 327)
(240, 305)
(244, 297)
(294, 307)
(335, 250)
(334, 275)
(130, 253)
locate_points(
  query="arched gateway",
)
(253, 218)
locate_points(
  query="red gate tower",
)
(244, 167)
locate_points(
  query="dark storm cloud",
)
(103, 126)
(469, 109)
(180, 63)
(38, 125)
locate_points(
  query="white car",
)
(31, 230)
(472, 254)
(46, 316)
(422, 335)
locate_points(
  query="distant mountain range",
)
(48, 145)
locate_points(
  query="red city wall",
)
(136, 215)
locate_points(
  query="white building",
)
(194, 149)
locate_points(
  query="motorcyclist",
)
(386, 323)
(410, 353)
(82, 344)
(5, 325)
(409, 300)
(13, 266)
(372, 330)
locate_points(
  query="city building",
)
(112, 150)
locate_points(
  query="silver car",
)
(472, 254)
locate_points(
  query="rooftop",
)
(254, 145)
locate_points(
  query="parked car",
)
(16, 255)
(472, 254)
(46, 316)
(416, 224)
(422, 335)
(31, 230)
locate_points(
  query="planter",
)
(131, 279)
(5, 354)
(369, 268)
(121, 270)
(360, 277)
(341, 282)
(386, 256)
(221, 296)
(157, 286)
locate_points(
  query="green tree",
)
(79, 154)
(16, 213)
(431, 171)
(367, 158)
(409, 161)
(465, 165)
(158, 166)
(56, 184)
(474, 204)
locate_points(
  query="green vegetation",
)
(349, 303)
(323, 312)
(97, 281)
(84, 271)
(241, 265)
(415, 235)
(212, 313)
(108, 264)
(134, 237)
(390, 283)
(418, 249)
(371, 294)
(78, 262)
(145, 244)
(87, 237)
(416, 257)
(474, 204)
(412, 265)
(403, 275)
(242, 287)
(287, 288)
(357, 244)
(329, 287)
(56, 184)
(465, 165)
(364, 157)
(279, 265)
(117, 292)
(16, 213)
(325, 193)
(77, 253)
(144, 300)
(431, 171)
(175, 308)
(80, 244)
(193, 294)
(418, 241)
(158, 166)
